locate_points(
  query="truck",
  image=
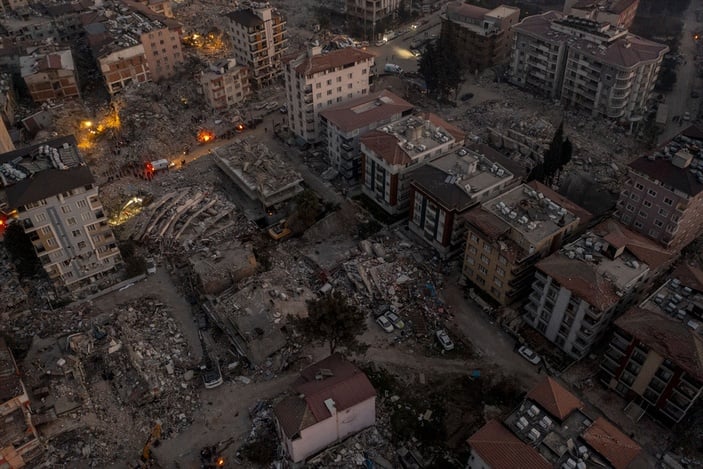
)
(392, 68)
(662, 114)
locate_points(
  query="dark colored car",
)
(467, 96)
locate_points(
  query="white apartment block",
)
(344, 124)
(391, 152)
(586, 64)
(317, 81)
(579, 290)
(225, 84)
(59, 208)
(260, 39)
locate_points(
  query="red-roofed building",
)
(317, 81)
(331, 400)
(554, 398)
(608, 441)
(344, 124)
(392, 151)
(579, 290)
(662, 196)
(587, 64)
(655, 356)
(495, 447)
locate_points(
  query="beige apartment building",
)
(343, 126)
(59, 208)
(662, 196)
(586, 64)
(392, 151)
(225, 84)
(619, 13)
(135, 46)
(508, 234)
(317, 81)
(260, 39)
(482, 37)
(49, 74)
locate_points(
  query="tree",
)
(334, 320)
(440, 66)
(21, 250)
(555, 158)
(307, 209)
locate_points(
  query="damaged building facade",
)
(390, 152)
(49, 74)
(444, 189)
(619, 13)
(134, 45)
(317, 81)
(225, 84)
(586, 64)
(579, 290)
(482, 37)
(55, 198)
(343, 125)
(260, 39)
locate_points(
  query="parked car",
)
(384, 323)
(395, 320)
(416, 52)
(444, 340)
(529, 355)
(150, 266)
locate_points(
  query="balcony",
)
(609, 366)
(619, 343)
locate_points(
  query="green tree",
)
(307, 209)
(21, 250)
(555, 158)
(334, 320)
(440, 67)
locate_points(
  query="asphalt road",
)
(679, 99)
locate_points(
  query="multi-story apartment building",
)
(482, 37)
(444, 189)
(161, 7)
(316, 81)
(552, 428)
(508, 234)
(46, 22)
(133, 44)
(392, 151)
(49, 74)
(59, 208)
(372, 11)
(343, 126)
(588, 65)
(260, 39)
(579, 290)
(225, 84)
(654, 357)
(619, 13)
(662, 196)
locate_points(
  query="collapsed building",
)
(49, 74)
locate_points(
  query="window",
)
(351, 75)
(653, 233)
(329, 82)
(663, 212)
(658, 223)
(339, 79)
(642, 214)
(668, 201)
(92, 227)
(638, 224)
(647, 203)
(473, 238)
(76, 233)
(502, 260)
(472, 250)
(630, 208)
(350, 86)
(339, 89)
(65, 209)
(45, 230)
(51, 242)
(71, 221)
(635, 197)
(40, 217)
(487, 248)
(81, 204)
(652, 193)
(482, 269)
(639, 186)
(497, 282)
(329, 92)
(81, 245)
(363, 71)
(318, 85)
(485, 259)
(470, 261)
(500, 272)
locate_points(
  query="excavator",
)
(147, 461)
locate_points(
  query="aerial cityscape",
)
(416, 234)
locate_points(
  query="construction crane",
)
(153, 440)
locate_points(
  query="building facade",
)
(392, 151)
(60, 211)
(225, 84)
(444, 189)
(260, 39)
(662, 196)
(336, 399)
(343, 126)
(579, 290)
(316, 81)
(508, 234)
(370, 12)
(482, 37)
(653, 359)
(134, 45)
(619, 13)
(49, 75)
(588, 65)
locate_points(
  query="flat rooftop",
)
(41, 61)
(530, 213)
(366, 111)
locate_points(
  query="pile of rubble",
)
(368, 448)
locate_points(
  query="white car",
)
(444, 340)
(529, 355)
(385, 324)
